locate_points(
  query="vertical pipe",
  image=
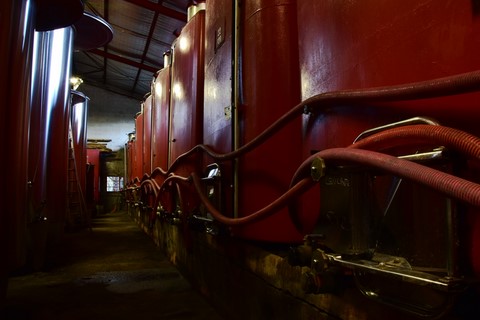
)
(170, 114)
(236, 100)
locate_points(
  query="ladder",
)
(77, 213)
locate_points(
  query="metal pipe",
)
(442, 182)
(236, 83)
(461, 141)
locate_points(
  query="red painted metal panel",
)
(160, 116)
(217, 123)
(147, 134)
(138, 156)
(270, 88)
(219, 109)
(187, 88)
(350, 45)
(186, 109)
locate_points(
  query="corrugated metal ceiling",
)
(142, 31)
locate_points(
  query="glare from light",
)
(183, 44)
(212, 92)
(158, 89)
(25, 24)
(56, 64)
(75, 82)
(79, 116)
(177, 90)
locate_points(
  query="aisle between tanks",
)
(111, 272)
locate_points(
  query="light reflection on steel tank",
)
(60, 48)
(22, 111)
(16, 41)
(78, 215)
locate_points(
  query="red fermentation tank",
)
(344, 47)
(219, 76)
(268, 87)
(138, 147)
(186, 109)
(354, 41)
(160, 115)
(218, 116)
(147, 134)
(343, 131)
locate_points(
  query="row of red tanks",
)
(44, 125)
(346, 129)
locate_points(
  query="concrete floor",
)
(112, 272)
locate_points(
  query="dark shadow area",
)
(114, 271)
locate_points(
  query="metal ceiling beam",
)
(147, 45)
(159, 8)
(123, 60)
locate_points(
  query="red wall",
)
(93, 157)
